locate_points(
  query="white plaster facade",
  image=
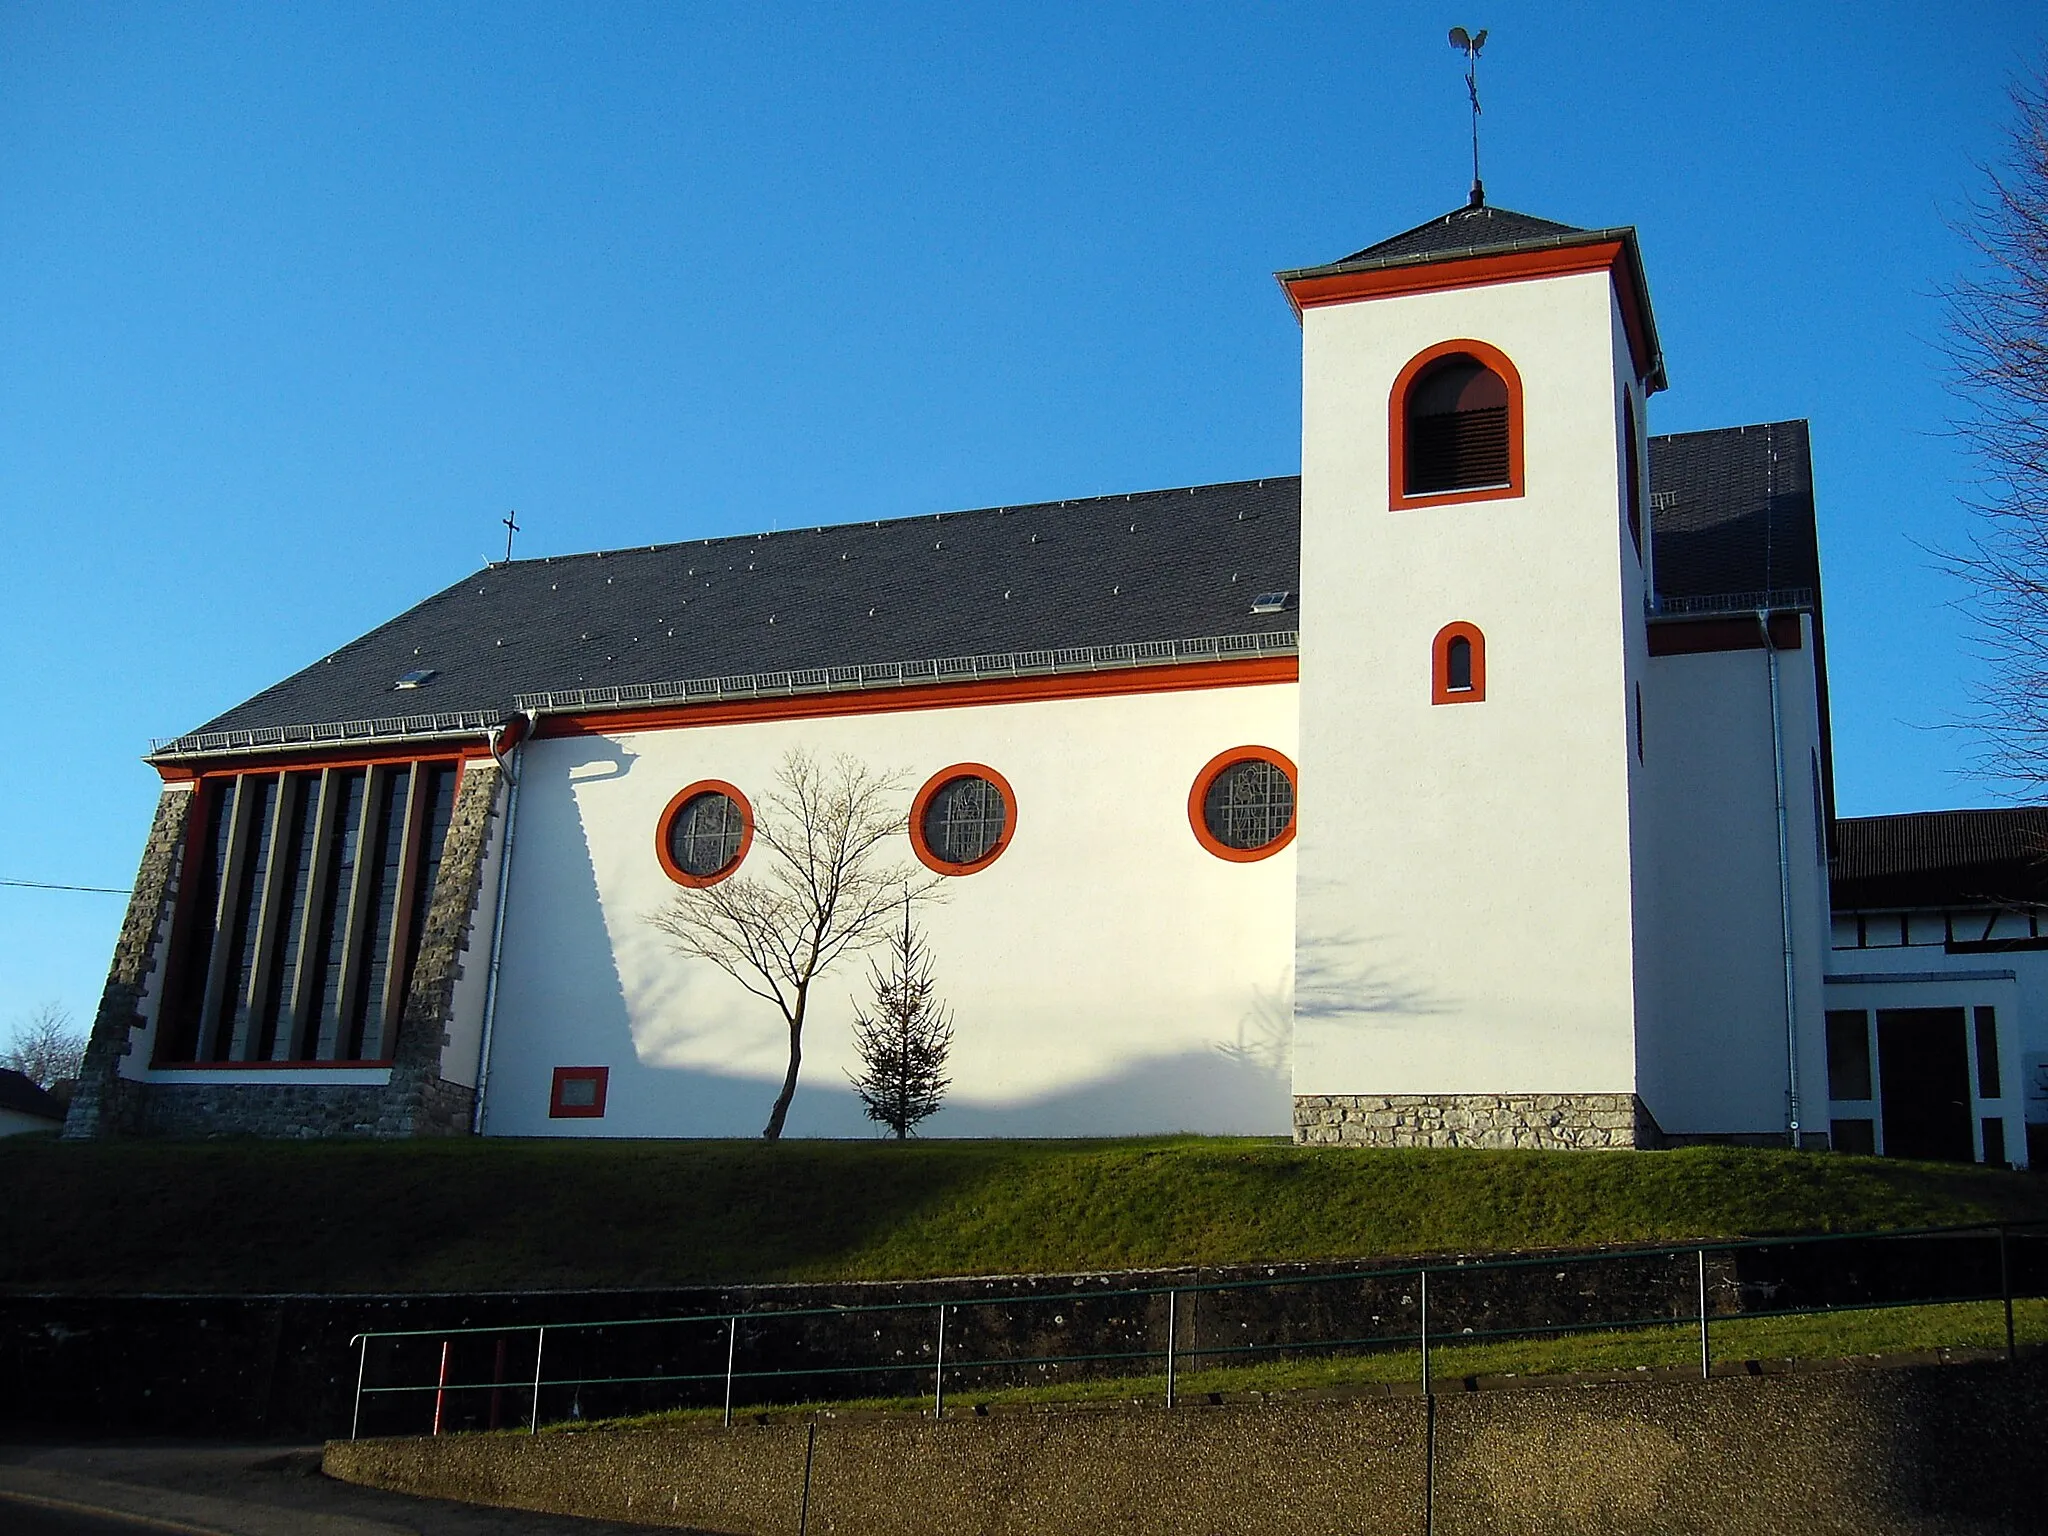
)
(1108, 975)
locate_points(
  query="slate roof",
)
(1162, 575)
(1465, 230)
(25, 1098)
(1732, 514)
(1941, 859)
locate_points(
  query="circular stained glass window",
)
(1249, 805)
(964, 820)
(706, 835)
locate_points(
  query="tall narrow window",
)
(308, 893)
(1458, 665)
(1456, 422)
(1632, 472)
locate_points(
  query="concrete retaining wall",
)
(1864, 1452)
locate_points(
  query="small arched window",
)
(1632, 472)
(1458, 665)
(1456, 426)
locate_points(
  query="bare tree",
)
(1998, 348)
(905, 1041)
(825, 889)
(47, 1049)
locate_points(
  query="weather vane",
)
(510, 528)
(1469, 44)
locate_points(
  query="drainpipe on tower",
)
(1763, 619)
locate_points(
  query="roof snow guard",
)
(752, 685)
(1470, 246)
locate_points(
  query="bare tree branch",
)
(1997, 347)
(820, 888)
(46, 1049)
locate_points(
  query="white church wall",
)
(1465, 886)
(1714, 1058)
(1107, 974)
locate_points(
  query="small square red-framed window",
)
(578, 1093)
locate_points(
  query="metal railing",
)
(752, 1357)
(939, 669)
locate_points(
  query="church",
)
(1473, 787)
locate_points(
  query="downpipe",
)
(505, 743)
(1763, 619)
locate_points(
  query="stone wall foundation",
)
(1551, 1120)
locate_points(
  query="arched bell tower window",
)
(1455, 427)
(1458, 665)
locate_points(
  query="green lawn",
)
(1843, 1335)
(244, 1215)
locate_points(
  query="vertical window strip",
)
(366, 1020)
(344, 838)
(249, 863)
(440, 793)
(301, 826)
(185, 992)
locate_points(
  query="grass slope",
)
(251, 1216)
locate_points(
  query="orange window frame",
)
(1199, 794)
(1440, 689)
(938, 781)
(669, 812)
(1397, 427)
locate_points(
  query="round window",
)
(1242, 807)
(704, 833)
(962, 819)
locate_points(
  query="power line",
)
(44, 885)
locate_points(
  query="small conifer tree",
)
(905, 1039)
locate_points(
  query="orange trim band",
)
(674, 808)
(444, 750)
(1198, 796)
(878, 701)
(922, 847)
(1306, 293)
(1398, 498)
(1440, 689)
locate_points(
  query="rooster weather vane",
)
(1469, 44)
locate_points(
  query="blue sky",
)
(300, 299)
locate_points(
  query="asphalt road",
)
(163, 1488)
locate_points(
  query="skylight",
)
(1272, 602)
(415, 678)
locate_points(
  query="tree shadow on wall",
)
(1336, 983)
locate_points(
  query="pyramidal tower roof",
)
(1465, 231)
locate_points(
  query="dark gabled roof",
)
(1465, 231)
(1941, 859)
(25, 1098)
(1731, 512)
(1159, 566)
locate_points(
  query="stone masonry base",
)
(1473, 1120)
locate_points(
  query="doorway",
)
(1924, 1060)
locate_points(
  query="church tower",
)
(1473, 963)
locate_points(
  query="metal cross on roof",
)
(1469, 44)
(510, 528)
